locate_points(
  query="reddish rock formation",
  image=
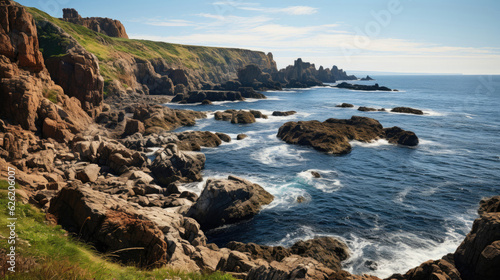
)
(26, 84)
(107, 26)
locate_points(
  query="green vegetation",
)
(51, 95)
(46, 251)
(108, 49)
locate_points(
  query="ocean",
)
(394, 206)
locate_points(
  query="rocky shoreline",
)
(88, 163)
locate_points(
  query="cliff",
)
(107, 26)
(145, 66)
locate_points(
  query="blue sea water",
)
(396, 206)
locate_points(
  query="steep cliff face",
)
(29, 96)
(107, 26)
(73, 68)
(156, 67)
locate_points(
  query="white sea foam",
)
(285, 196)
(401, 196)
(397, 251)
(279, 155)
(373, 144)
(328, 182)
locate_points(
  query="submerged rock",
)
(227, 201)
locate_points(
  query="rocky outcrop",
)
(407, 110)
(239, 117)
(283, 114)
(172, 165)
(252, 76)
(108, 152)
(478, 257)
(148, 237)
(186, 141)
(29, 96)
(367, 78)
(107, 26)
(299, 75)
(333, 135)
(375, 87)
(159, 118)
(227, 201)
(75, 69)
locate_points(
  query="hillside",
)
(140, 62)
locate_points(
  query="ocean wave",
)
(286, 196)
(282, 155)
(396, 252)
(325, 184)
(374, 144)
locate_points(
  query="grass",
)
(45, 251)
(51, 95)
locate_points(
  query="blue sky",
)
(421, 36)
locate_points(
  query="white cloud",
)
(292, 10)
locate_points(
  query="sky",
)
(404, 36)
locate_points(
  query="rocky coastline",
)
(88, 161)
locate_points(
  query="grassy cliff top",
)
(109, 48)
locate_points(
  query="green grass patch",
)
(45, 252)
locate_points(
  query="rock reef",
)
(333, 135)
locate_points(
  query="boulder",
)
(396, 135)
(224, 137)
(366, 109)
(226, 201)
(88, 173)
(283, 114)
(241, 136)
(243, 117)
(407, 110)
(326, 250)
(148, 237)
(134, 126)
(172, 165)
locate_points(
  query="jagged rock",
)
(194, 140)
(107, 26)
(208, 95)
(345, 105)
(293, 267)
(113, 225)
(268, 253)
(173, 165)
(249, 92)
(283, 114)
(490, 205)
(160, 118)
(108, 152)
(226, 201)
(134, 126)
(299, 75)
(258, 114)
(441, 269)
(333, 135)
(326, 250)
(26, 83)
(479, 254)
(367, 78)
(88, 173)
(407, 110)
